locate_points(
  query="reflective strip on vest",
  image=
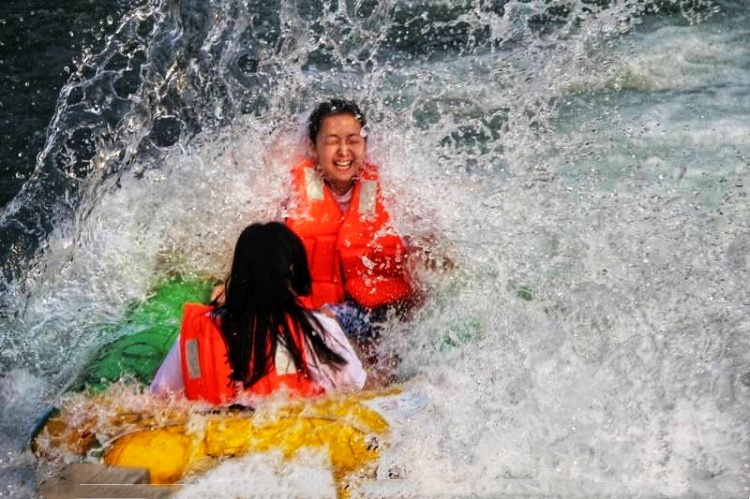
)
(367, 196)
(192, 358)
(313, 185)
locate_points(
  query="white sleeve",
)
(351, 375)
(168, 378)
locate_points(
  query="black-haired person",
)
(262, 338)
(356, 257)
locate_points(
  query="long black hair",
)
(269, 272)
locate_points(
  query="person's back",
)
(261, 339)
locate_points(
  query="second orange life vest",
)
(355, 253)
(206, 369)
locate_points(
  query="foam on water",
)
(264, 476)
(588, 179)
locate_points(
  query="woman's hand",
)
(217, 295)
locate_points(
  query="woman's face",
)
(339, 150)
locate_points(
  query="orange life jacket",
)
(355, 253)
(206, 369)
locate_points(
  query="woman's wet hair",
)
(332, 107)
(269, 268)
(269, 273)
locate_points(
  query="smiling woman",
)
(336, 207)
(338, 143)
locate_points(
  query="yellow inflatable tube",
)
(349, 431)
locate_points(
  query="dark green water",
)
(40, 43)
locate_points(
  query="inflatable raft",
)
(177, 442)
(108, 417)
